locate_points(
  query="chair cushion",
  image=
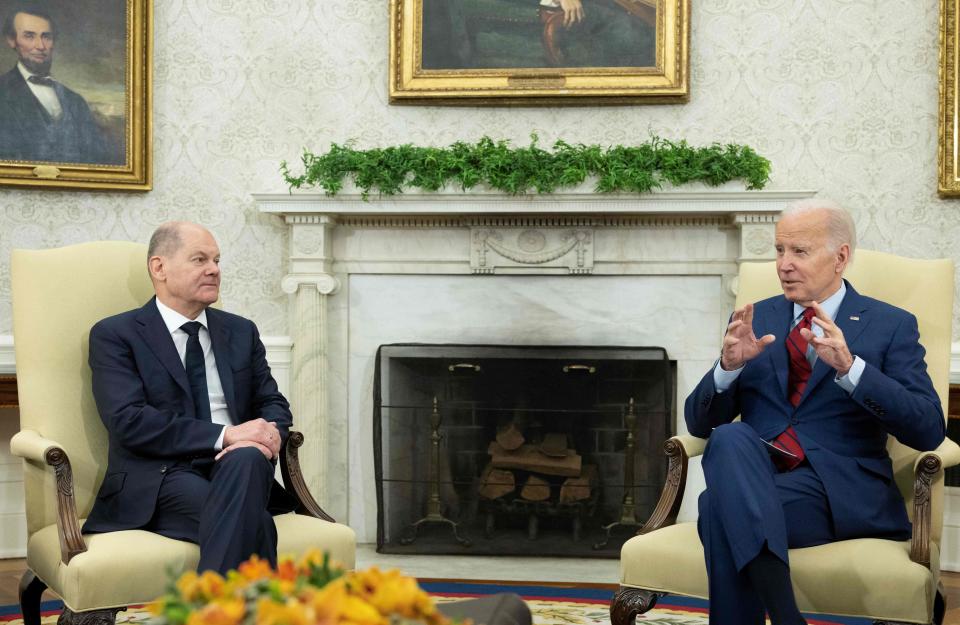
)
(863, 577)
(132, 566)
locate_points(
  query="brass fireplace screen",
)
(518, 450)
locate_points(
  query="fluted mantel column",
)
(311, 282)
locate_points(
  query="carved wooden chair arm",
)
(31, 446)
(926, 469)
(293, 478)
(679, 449)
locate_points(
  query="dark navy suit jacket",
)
(144, 399)
(844, 435)
(28, 133)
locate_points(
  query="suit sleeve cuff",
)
(722, 379)
(849, 382)
(218, 446)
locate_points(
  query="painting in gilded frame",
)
(75, 94)
(539, 51)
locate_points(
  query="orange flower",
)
(220, 612)
(313, 557)
(327, 602)
(356, 611)
(290, 613)
(286, 570)
(255, 568)
(156, 607)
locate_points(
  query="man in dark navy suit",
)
(40, 118)
(194, 417)
(830, 376)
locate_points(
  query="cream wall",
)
(840, 94)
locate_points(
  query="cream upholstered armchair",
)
(58, 295)
(888, 581)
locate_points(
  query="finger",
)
(729, 341)
(828, 326)
(818, 309)
(807, 334)
(734, 325)
(765, 340)
(739, 313)
(748, 315)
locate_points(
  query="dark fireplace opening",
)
(510, 450)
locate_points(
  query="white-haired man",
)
(820, 376)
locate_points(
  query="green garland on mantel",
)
(618, 169)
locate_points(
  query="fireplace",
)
(521, 450)
(482, 268)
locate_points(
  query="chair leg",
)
(939, 605)
(629, 602)
(93, 617)
(31, 589)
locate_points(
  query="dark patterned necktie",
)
(196, 370)
(797, 378)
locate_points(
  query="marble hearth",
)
(485, 268)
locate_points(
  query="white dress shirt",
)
(723, 380)
(44, 93)
(218, 403)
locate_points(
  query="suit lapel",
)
(778, 324)
(158, 339)
(27, 102)
(220, 338)
(853, 305)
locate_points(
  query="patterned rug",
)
(551, 604)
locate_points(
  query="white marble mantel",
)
(577, 267)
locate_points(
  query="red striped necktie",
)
(797, 379)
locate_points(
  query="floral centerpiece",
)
(308, 591)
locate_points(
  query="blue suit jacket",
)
(28, 133)
(144, 399)
(844, 435)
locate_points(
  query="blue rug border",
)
(45, 606)
(486, 588)
(534, 590)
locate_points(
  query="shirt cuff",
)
(218, 446)
(723, 379)
(849, 382)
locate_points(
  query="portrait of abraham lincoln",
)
(63, 82)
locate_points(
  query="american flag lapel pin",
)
(854, 318)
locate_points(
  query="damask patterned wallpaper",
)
(840, 94)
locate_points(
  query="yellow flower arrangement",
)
(308, 591)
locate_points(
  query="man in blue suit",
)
(194, 417)
(830, 376)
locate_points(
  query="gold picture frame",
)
(89, 124)
(502, 52)
(948, 156)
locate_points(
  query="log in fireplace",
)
(518, 450)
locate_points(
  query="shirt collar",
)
(26, 73)
(830, 306)
(173, 320)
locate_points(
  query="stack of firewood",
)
(539, 466)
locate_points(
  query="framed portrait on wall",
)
(75, 101)
(539, 51)
(948, 156)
